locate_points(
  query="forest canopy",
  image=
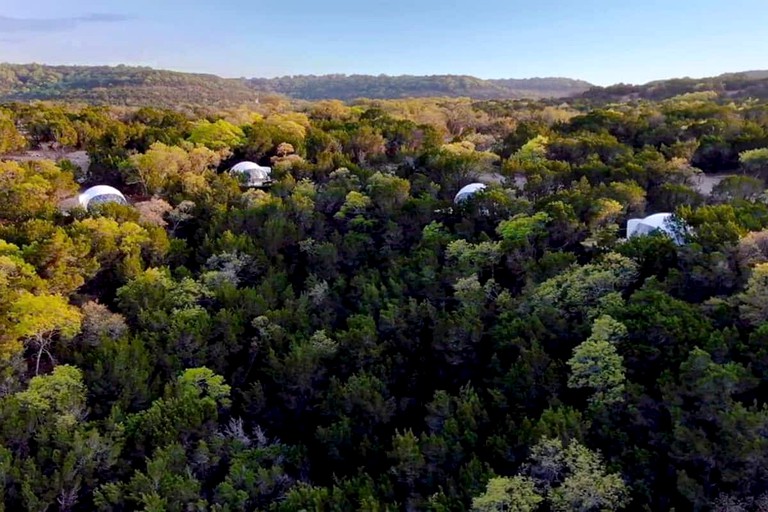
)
(349, 338)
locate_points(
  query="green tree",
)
(596, 364)
(705, 398)
(409, 462)
(582, 293)
(122, 247)
(355, 204)
(187, 413)
(60, 396)
(458, 163)
(388, 192)
(738, 187)
(575, 478)
(753, 305)
(167, 484)
(59, 457)
(504, 494)
(365, 143)
(755, 162)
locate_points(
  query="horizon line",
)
(275, 77)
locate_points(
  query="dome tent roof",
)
(467, 191)
(100, 194)
(245, 166)
(664, 222)
(255, 174)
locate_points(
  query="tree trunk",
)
(39, 355)
(42, 345)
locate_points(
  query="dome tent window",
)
(665, 223)
(251, 174)
(100, 194)
(468, 191)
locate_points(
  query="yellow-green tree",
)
(10, 138)
(755, 161)
(163, 165)
(32, 189)
(217, 136)
(120, 245)
(503, 494)
(38, 321)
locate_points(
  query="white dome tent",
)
(252, 174)
(100, 194)
(664, 222)
(468, 191)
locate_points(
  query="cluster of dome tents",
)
(664, 223)
(251, 174)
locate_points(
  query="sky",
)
(601, 41)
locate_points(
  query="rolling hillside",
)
(748, 84)
(347, 87)
(125, 85)
(139, 86)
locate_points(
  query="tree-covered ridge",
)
(141, 86)
(749, 84)
(349, 87)
(351, 339)
(119, 85)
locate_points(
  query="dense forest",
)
(141, 86)
(351, 339)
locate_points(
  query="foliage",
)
(163, 166)
(596, 363)
(10, 137)
(32, 190)
(142, 86)
(348, 338)
(516, 494)
(38, 320)
(218, 135)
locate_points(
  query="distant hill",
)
(119, 85)
(133, 86)
(747, 84)
(347, 87)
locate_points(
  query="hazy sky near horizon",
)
(602, 41)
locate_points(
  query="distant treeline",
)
(124, 85)
(750, 84)
(347, 87)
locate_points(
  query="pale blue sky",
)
(603, 41)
